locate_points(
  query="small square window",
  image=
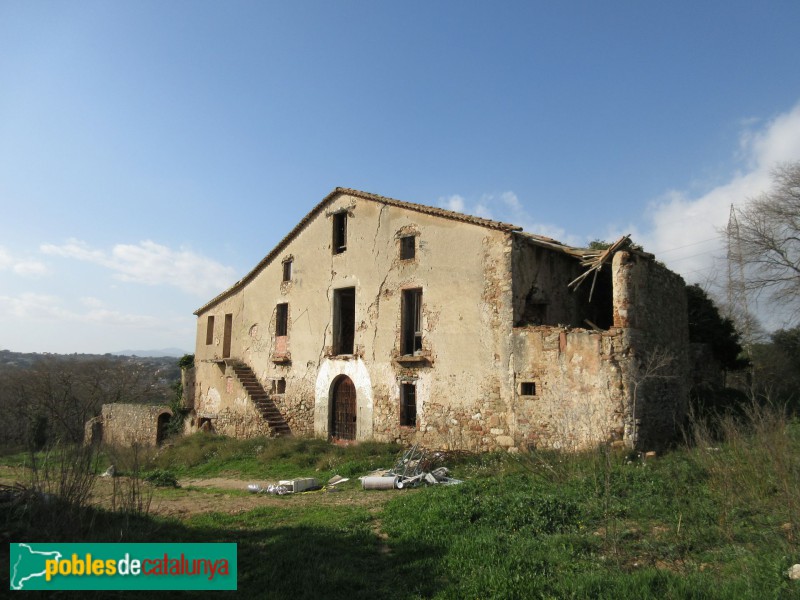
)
(527, 388)
(408, 247)
(287, 270)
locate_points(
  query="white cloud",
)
(686, 230)
(150, 263)
(21, 266)
(454, 202)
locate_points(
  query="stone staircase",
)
(261, 399)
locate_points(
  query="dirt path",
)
(216, 494)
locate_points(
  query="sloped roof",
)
(421, 208)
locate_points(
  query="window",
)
(281, 319)
(339, 232)
(344, 320)
(279, 386)
(408, 247)
(411, 326)
(287, 269)
(527, 388)
(227, 336)
(210, 331)
(408, 405)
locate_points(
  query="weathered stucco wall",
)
(476, 283)
(128, 424)
(579, 384)
(463, 271)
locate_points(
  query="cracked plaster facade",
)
(508, 359)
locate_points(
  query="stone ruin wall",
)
(650, 304)
(587, 381)
(580, 395)
(126, 425)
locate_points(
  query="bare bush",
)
(769, 240)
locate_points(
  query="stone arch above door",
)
(355, 369)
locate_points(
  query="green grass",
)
(714, 519)
(264, 459)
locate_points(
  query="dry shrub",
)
(753, 463)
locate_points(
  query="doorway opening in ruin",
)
(161, 427)
(596, 306)
(343, 409)
(344, 320)
(226, 343)
(96, 433)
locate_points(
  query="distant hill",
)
(176, 352)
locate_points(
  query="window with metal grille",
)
(527, 388)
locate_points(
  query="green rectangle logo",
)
(122, 566)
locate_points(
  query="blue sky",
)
(151, 153)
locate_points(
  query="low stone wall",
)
(128, 424)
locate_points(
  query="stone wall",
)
(580, 393)
(128, 424)
(650, 306)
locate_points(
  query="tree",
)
(708, 326)
(769, 240)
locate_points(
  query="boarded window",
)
(408, 247)
(408, 405)
(527, 388)
(210, 331)
(344, 320)
(339, 232)
(411, 338)
(287, 270)
(281, 319)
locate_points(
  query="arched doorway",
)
(343, 409)
(161, 427)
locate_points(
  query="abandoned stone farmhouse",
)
(376, 319)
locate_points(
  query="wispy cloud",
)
(506, 206)
(43, 307)
(25, 267)
(150, 263)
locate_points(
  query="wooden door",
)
(343, 423)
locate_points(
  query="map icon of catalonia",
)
(29, 564)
